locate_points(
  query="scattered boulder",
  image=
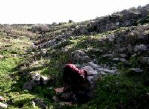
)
(111, 37)
(140, 47)
(107, 55)
(109, 71)
(44, 51)
(29, 85)
(115, 59)
(123, 55)
(36, 79)
(123, 60)
(96, 50)
(80, 56)
(137, 70)
(40, 103)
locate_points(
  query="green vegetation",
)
(126, 90)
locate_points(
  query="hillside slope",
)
(116, 47)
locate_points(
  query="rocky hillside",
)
(115, 48)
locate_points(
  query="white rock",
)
(3, 106)
(44, 80)
(33, 104)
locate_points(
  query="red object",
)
(79, 71)
(59, 90)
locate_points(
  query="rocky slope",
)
(115, 48)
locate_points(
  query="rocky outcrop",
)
(120, 19)
(94, 70)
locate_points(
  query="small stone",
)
(14, 55)
(44, 51)
(123, 60)
(140, 47)
(111, 37)
(65, 103)
(117, 23)
(95, 50)
(115, 59)
(107, 55)
(35, 77)
(3, 106)
(137, 70)
(110, 71)
(123, 55)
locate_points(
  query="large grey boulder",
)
(94, 71)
